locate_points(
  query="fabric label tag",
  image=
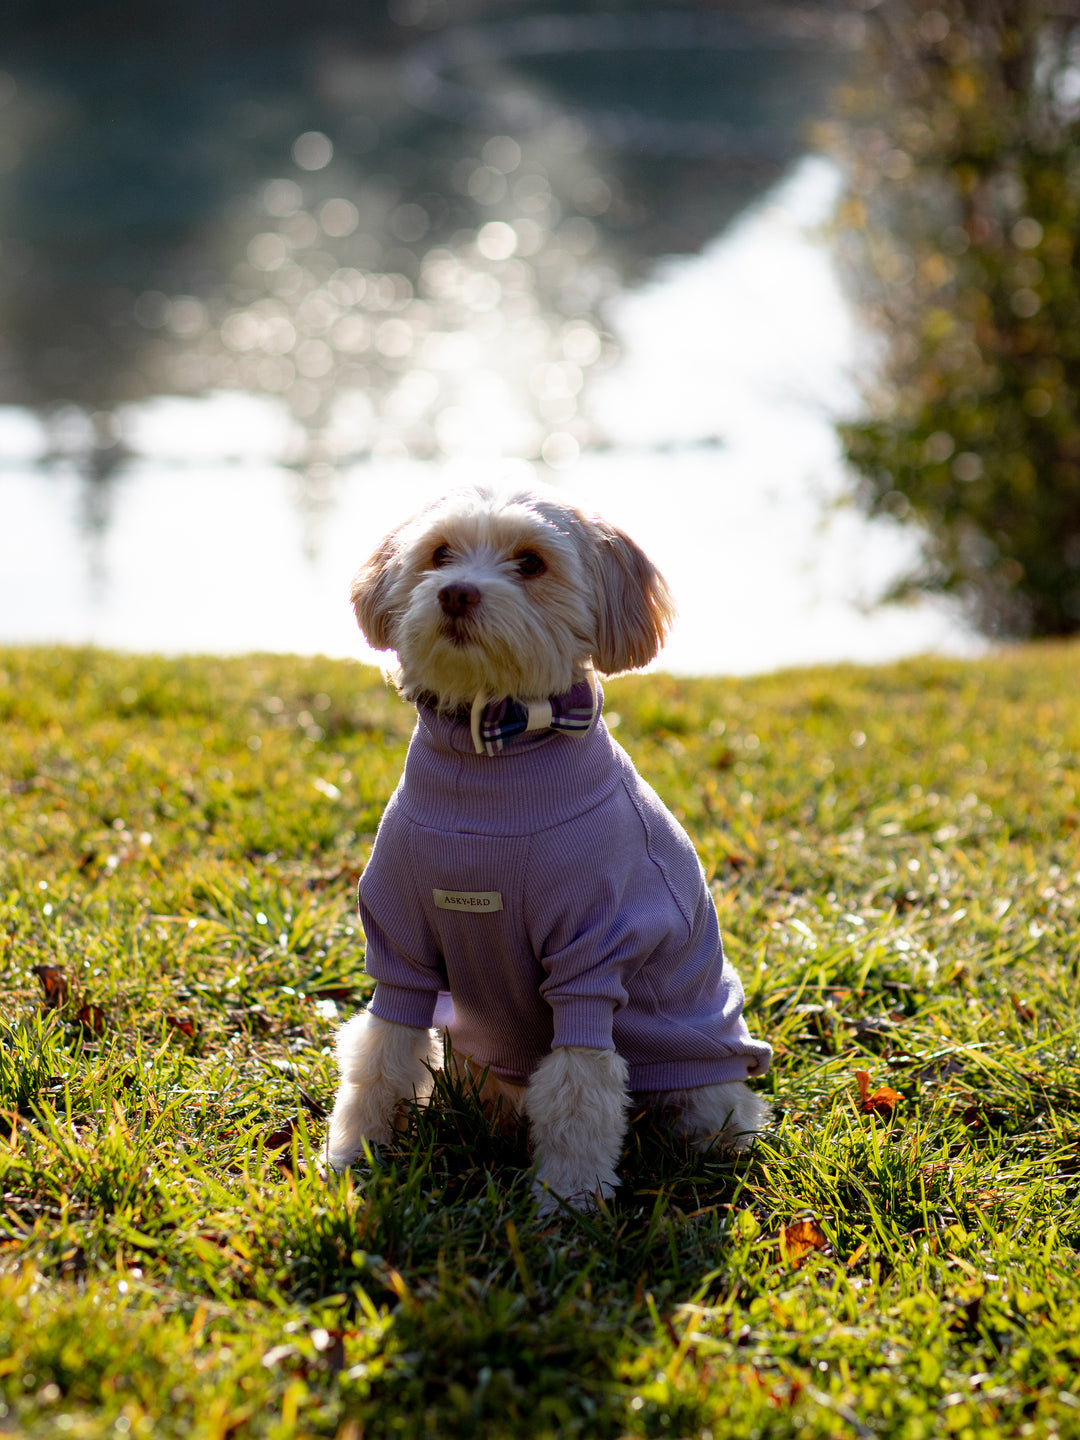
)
(471, 901)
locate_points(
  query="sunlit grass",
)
(896, 861)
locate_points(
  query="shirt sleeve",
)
(402, 956)
(598, 907)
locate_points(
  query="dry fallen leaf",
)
(1022, 1008)
(934, 1168)
(184, 1024)
(281, 1138)
(311, 1105)
(54, 983)
(278, 1147)
(884, 1099)
(799, 1240)
(92, 1019)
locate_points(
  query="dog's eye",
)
(441, 556)
(530, 564)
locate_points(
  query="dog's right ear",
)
(370, 594)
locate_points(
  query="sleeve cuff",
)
(582, 1022)
(403, 1007)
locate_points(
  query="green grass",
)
(895, 855)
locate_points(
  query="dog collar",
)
(495, 723)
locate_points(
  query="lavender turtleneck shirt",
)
(550, 891)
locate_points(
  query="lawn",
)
(895, 857)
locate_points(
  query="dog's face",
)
(509, 594)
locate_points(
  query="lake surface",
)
(635, 303)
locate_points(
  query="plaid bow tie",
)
(496, 722)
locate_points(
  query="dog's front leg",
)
(382, 1064)
(577, 1104)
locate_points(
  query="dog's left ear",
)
(634, 607)
(370, 594)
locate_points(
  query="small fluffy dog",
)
(528, 894)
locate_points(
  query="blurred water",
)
(720, 456)
(391, 261)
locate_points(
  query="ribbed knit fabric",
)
(550, 891)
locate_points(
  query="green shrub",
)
(963, 137)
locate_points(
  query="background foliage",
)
(963, 137)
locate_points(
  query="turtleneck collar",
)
(543, 778)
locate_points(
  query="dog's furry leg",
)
(577, 1104)
(725, 1116)
(381, 1065)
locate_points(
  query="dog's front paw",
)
(354, 1120)
(556, 1186)
(576, 1103)
(726, 1116)
(383, 1067)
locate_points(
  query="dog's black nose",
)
(458, 599)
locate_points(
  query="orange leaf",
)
(798, 1240)
(278, 1145)
(185, 1025)
(884, 1099)
(1022, 1008)
(54, 983)
(92, 1019)
(279, 1139)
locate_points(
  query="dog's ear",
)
(370, 593)
(634, 607)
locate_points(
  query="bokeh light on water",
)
(313, 281)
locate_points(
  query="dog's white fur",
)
(596, 603)
(381, 1065)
